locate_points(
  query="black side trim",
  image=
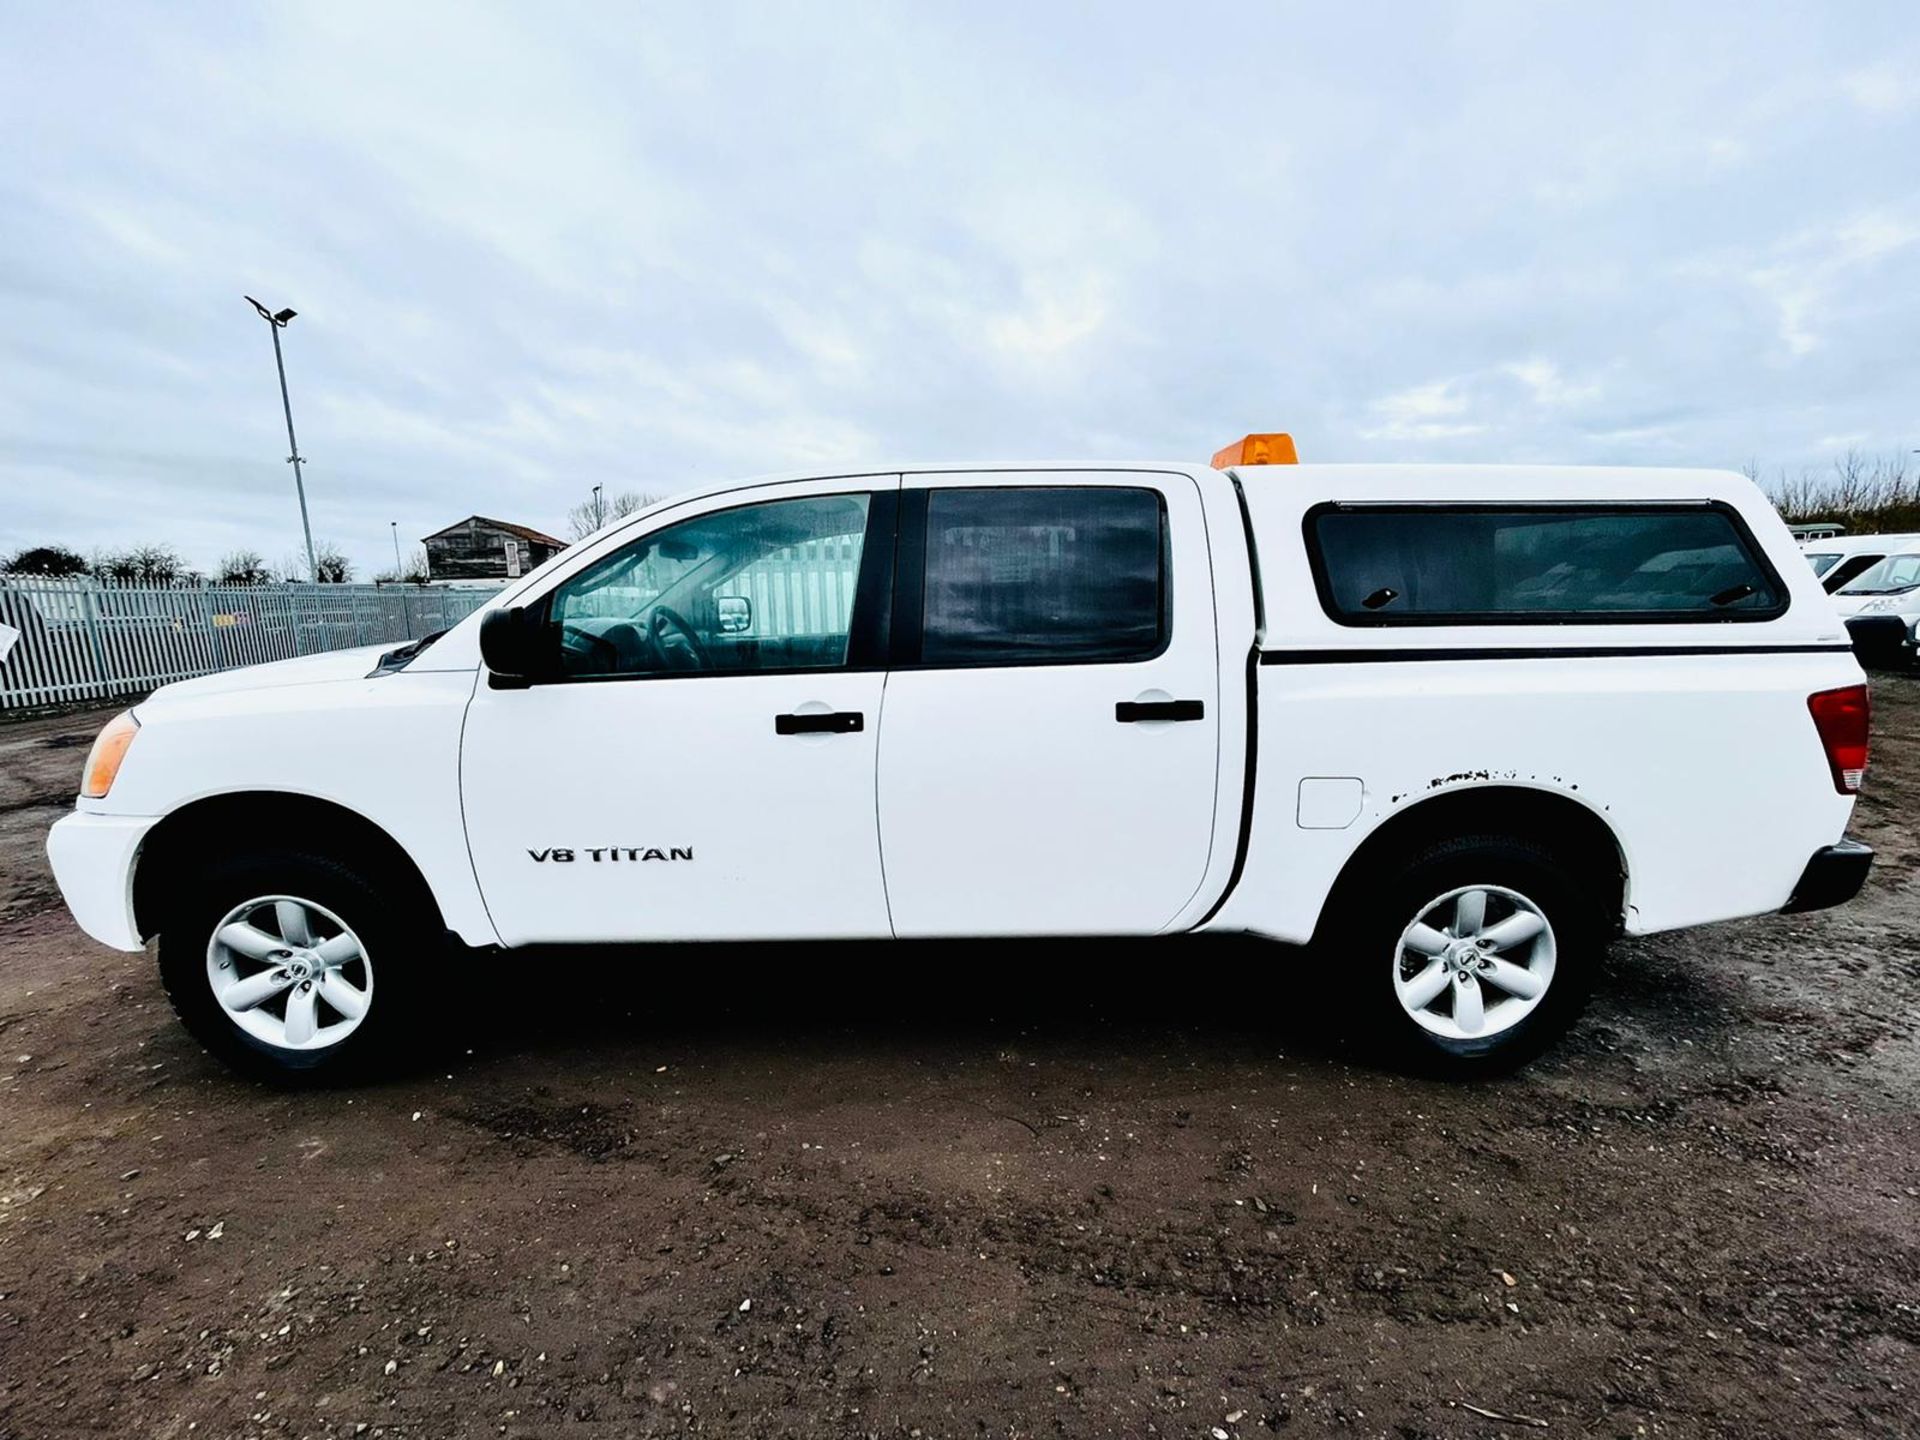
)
(1832, 877)
(869, 639)
(1384, 655)
(1246, 797)
(910, 579)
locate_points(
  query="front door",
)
(700, 762)
(1049, 749)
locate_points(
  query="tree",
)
(244, 567)
(141, 565)
(589, 515)
(413, 572)
(53, 560)
(331, 566)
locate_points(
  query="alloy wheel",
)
(290, 973)
(1474, 963)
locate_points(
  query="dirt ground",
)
(934, 1192)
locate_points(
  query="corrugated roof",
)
(525, 532)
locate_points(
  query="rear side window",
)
(1517, 565)
(1036, 576)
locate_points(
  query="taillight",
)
(1841, 718)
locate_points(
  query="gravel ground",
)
(945, 1191)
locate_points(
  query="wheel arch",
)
(1552, 818)
(217, 824)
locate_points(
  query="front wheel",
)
(294, 968)
(1471, 956)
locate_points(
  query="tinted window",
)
(1037, 576)
(761, 587)
(1822, 563)
(1408, 564)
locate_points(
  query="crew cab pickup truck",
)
(1444, 729)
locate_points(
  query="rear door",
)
(1049, 748)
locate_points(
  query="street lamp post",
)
(276, 322)
(397, 566)
(599, 509)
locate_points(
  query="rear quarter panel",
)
(1706, 767)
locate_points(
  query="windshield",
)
(1889, 577)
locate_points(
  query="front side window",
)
(1035, 576)
(760, 587)
(1410, 565)
(1822, 563)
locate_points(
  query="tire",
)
(326, 1016)
(1388, 986)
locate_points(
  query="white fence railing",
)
(92, 639)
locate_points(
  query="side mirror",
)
(735, 613)
(513, 645)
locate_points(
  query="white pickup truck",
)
(1447, 728)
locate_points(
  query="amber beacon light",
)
(1276, 449)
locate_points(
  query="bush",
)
(56, 561)
(142, 565)
(1865, 494)
(244, 567)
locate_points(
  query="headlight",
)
(103, 761)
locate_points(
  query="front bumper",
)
(92, 858)
(1832, 877)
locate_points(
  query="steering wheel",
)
(675, 642)
(590, 652)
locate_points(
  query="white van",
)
(1448, 728)
(1881, 605)
(1840, 560)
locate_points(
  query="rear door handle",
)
(1129, 712)
(832, 722)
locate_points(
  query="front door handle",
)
(1129, 712)
(831, 722)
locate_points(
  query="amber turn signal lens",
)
(103, 761)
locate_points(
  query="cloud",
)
(1811, 273)
(1544, 382)
(537, 251)
(1433, 411)
(1886, 88)
(1504, 398)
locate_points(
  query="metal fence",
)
(92, 639)
(805, 589)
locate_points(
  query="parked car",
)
(1837, 561)
(1445, 728)
(1881, 607)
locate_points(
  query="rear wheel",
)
(295, 968)
(1470, 956)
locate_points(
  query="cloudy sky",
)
(536, 248)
